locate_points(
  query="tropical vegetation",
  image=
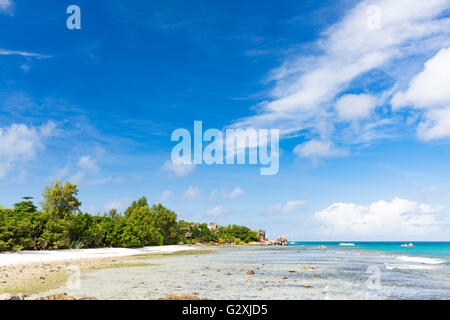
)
(60, 224)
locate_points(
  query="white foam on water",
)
(410, 266)
(421, 260)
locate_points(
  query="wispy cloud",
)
(315, 149)
(25, 54)
(6, 6)
(118, 204)
(166, 194)
(179, 170)
(308, 97)
(217, 211)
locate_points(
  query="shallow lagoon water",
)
(339, 273)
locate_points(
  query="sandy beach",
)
(25, 257)
(31, 272)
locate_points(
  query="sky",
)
(360, 91)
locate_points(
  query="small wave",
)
(410, 266)
(421, 260)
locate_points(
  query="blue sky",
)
(360, 91)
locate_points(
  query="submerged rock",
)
(308, 268)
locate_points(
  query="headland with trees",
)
(61, 225)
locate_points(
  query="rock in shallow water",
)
(7, 296)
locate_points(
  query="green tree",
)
(25, 206)
(166, 223)
(60, 200)
(142, 221)
(55, 235)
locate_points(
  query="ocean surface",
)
(370, 270)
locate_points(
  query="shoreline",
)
(35, 272)
(42, 256)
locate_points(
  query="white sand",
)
(24, 257)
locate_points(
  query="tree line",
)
(60, 225)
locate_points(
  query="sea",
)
(301, 270)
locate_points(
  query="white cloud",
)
(434, 193)
(288, 207)
(316, 149)
(166, 194)
(118, 204)
(104, 180)
(306, 86)
(77, 177)
(20, 143)
(217, 211)
(192, 193)
(431, 87)
(398, 218)
(87, 166)
(6, 5)
(179, 170)
(355, 106)
(26, 54)
(436, 125)
(237, 192)
(430, 90)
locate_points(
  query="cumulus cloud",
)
(192, 193)
(431, 87)
(217, 211)
(306, 86)
(288, 207)
(430, 90)
(20, 143)
(179, 170)
(397, 218)
(436, 125)
(316, 149)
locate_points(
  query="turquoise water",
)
(439, 250)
